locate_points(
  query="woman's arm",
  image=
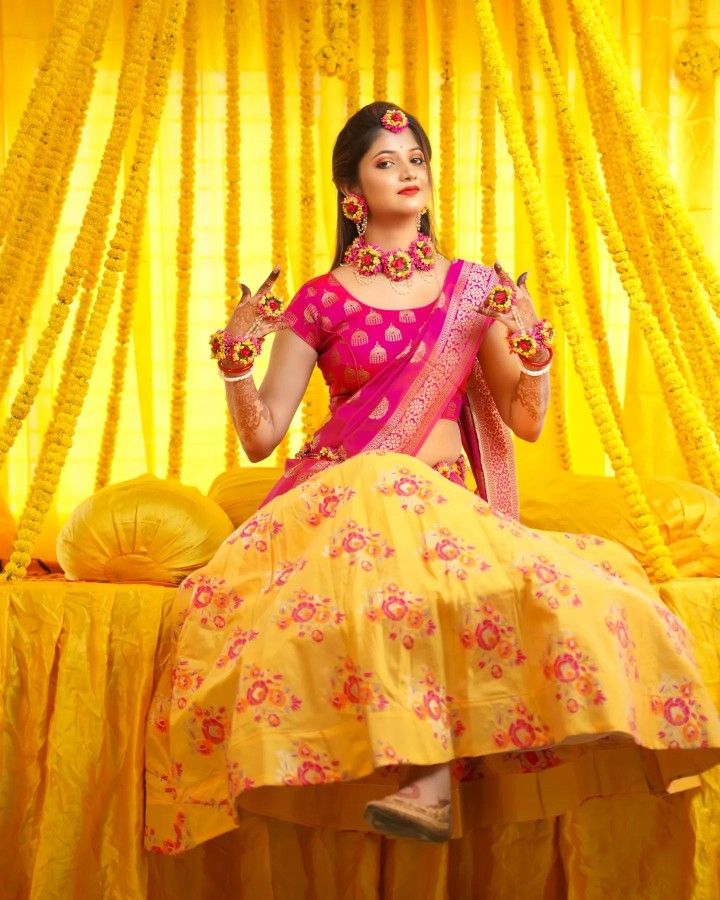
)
(521, 399)
(261, 417)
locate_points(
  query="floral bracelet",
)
(527, 341)
(238, 349)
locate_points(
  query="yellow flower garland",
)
(381, 48)
(275, 38)
(87, 252)
(315, 399)
(331, 58)
(410, 54)
(232, 189)
(629, 215)
(353, 57)
(67, 31)
(122, 341)
(657, 185)
(581, 232)
(644, 236)
(660, 200)
(29, 241)
(447, 127)
(690, 427)
(49, 467)
(523, 54)
(184, 244)
(698, 57)
(488, 169)
(544, 297)
(658, 558)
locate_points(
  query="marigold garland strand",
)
(353, 57)
(629, 215)
(410, 55)
(41, 206)
(690, 424)
(543, 295)
(331, 58)
(315, 400)
(488, 169)
(657, 555)
(275, 39)
(232, 189)
(580, 227)
(113, 407)
(447, 127)
(87, 252)
(381, 48)
(659, 261)
(523, 53)
(647, 249)
(681, 404)
(61, 430)
(698, 57)
(184, 240)
(656, 183)
(65, 36)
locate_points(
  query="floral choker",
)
(397, 265)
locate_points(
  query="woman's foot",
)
(420, 810)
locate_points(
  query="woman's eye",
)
(418, 160)
(384, 163)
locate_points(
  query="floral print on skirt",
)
(379, 615)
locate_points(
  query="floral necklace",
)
(397, 265)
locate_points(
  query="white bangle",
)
(535, 373)
(232, 378)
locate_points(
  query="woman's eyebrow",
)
(394, 152)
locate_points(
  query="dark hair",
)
(351, 145)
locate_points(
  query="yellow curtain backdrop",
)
(445, 85)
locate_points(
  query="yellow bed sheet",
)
(77, 664)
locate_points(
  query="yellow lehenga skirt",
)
(378, 616)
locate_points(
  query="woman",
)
(376, 622)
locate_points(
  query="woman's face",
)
(394, 176)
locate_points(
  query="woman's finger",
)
(269, 282)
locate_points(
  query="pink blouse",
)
(353, 340)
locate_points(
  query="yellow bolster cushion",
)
(689, 515)
(240, 491)
(146, 529)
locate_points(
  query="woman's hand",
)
(247, 320)
(522, 314)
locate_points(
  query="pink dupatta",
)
(397, 408)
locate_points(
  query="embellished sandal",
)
(395, 817)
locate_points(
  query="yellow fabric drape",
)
(77, 665)
(685, 122)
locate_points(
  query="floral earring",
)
(418, 220)
(355, 209)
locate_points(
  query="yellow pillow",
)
(146, 529)
(689, 515)
(240, 491)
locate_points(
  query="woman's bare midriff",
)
(443, 444)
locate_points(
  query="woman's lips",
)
(409, 190)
